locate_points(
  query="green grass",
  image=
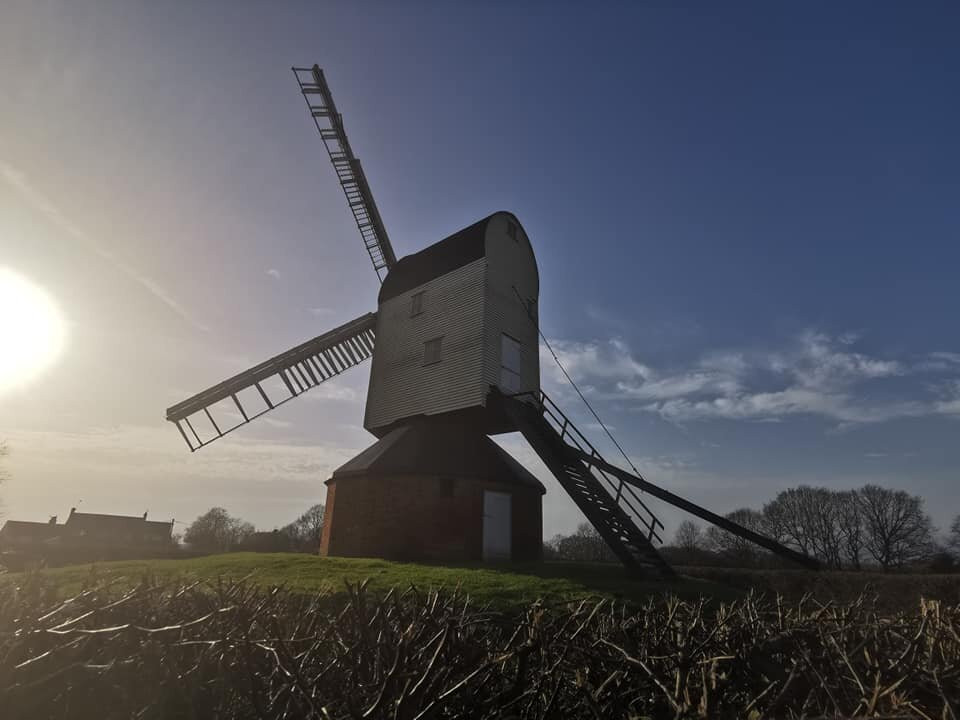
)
(501, 586)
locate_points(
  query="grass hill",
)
(498, 585)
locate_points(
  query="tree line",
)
(216, 531)
(871, 526)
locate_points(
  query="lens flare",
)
(32, 331)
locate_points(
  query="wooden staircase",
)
(612, 506)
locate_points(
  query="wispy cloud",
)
(331, 390)
(19, 182)
(158, 450)
(274, 273)
(816, 374)
(320, 311)
(610, 360)
(130, 468)
(940, 361)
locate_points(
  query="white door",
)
(496, 525)
(511, 365)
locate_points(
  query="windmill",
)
(454, 347)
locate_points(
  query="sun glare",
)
(32, 330)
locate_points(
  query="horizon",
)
(744, 220)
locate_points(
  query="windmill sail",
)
(319, 100)
(275, 381)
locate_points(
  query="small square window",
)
(512, 231)
(416, 304)
(432, 351)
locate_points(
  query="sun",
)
(32, 330)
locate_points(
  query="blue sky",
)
(745, 217)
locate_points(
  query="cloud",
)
(769, 406)
(332, 391)
(949, 403)
(818, 364)
(274, 273)
(815, 374)
(136, 449)
(320, 311)
(129, 468)
(18, 181)
(594, 360)
(272, 422)
(684, 384)
(939, 361)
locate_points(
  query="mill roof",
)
(457, 250)
(454, 251)
(435, 448)
(34, 530)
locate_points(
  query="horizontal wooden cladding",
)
(400, 385)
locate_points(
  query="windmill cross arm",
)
(329, 122)
(298, 369)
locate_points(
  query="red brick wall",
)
(422, 518)
(327, 520)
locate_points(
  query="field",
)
(215, 637)
(502, 587)
(509, 586)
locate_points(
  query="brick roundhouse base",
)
(418, 494)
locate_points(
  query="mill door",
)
(496, 525)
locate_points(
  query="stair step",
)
(618, 528)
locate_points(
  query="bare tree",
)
(689, 536)
(789, 518)
(851, 527)
(953, 539)
(897, 530)
(217, 531)
(734, 546)
(809, 519)
(306, 530)
(585, 545)
(828, 524)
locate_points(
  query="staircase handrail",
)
(570, 431)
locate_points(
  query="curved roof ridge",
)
(454, 251)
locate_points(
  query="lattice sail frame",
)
(350, 174)
(298, 369)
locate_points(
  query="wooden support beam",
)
(694, 509)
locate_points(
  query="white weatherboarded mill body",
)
(455, 320)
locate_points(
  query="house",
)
(96, 529)
(85, 537)
(24, 533)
